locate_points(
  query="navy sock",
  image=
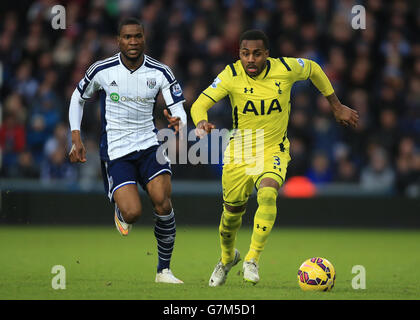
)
(165, 230)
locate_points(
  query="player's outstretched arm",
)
(343, 114)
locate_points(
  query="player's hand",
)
(203, 128)
(346, 116)
(77, 152)
(174, 122)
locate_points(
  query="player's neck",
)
(132, 64)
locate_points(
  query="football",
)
(316, 274)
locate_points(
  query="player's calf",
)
(165, 233)
(230, 223)
(263, 222)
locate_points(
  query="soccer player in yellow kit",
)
(257, 156)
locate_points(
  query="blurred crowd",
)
(374, 70)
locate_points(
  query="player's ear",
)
(144, 35)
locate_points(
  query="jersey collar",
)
(263, 73)
(132, 71)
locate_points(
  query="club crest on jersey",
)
(277, 83)
(151, 83)
(176, 90)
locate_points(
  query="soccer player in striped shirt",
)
(259, 89)
(128, 84)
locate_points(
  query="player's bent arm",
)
(177, 110)
(323, 84)
(343, 114)
(334, 101)
(200, 107)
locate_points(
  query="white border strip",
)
(159, 172)
(121, 185)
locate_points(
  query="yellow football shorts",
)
(239, 179)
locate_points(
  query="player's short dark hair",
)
(254, 34)
(128, 21)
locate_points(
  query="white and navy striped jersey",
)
(127, 99)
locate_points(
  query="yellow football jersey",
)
(261, 102)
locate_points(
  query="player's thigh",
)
(159, 190)
(237, 186)
(269, 182)
(120, 182)
(128, 200)
(154, 171)
(275, 169)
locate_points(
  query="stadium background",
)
(375, 70)
(367, 181)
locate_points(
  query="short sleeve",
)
(300, 68)
(220, 86)
(87, 87)
(171, 89)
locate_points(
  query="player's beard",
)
(133, 59)
(256, 72)
(258, 68)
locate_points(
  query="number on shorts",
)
(276, 163)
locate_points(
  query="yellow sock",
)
(263, 221)
(229, 225)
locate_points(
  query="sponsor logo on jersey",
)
(135, 99)
(114, 96)
(250, 107)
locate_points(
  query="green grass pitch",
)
(100, 264)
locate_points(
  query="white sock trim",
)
(165, 217)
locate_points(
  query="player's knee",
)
(235, 209)
(131, 214)
(163, 205)
(267, 196)
(230, 223)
